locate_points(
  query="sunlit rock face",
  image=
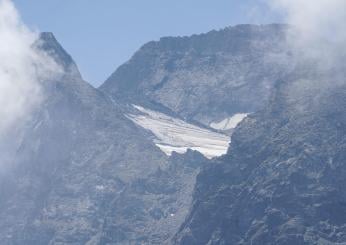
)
(205, 78)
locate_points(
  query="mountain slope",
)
(77, 161)
(205, 78)
(283, 182)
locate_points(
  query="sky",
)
(101, 35)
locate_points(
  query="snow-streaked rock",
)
(176, 135)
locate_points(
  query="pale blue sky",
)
(103, 34)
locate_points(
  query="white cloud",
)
(22, 68)
(320, 24)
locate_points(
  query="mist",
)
(318, 26)
(23, 69)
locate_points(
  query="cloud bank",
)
(22, 68)
(319, 24)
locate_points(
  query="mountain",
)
(206, 78)
(100, 166)
(283, 180)
(80, 164)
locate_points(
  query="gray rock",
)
(205, 78)
(283, 180)
(77, 162)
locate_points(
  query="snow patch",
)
(100, 187)
(175, 135)
(229, 123)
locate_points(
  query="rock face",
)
(206, 78)
(152, 208)
(283, 181)
(85, 174)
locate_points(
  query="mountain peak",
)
(47, 36)
(48, 43)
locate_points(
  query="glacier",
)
(175, 135)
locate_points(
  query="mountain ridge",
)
(191, 75)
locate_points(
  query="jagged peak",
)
(48, 42)
(47, 36)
